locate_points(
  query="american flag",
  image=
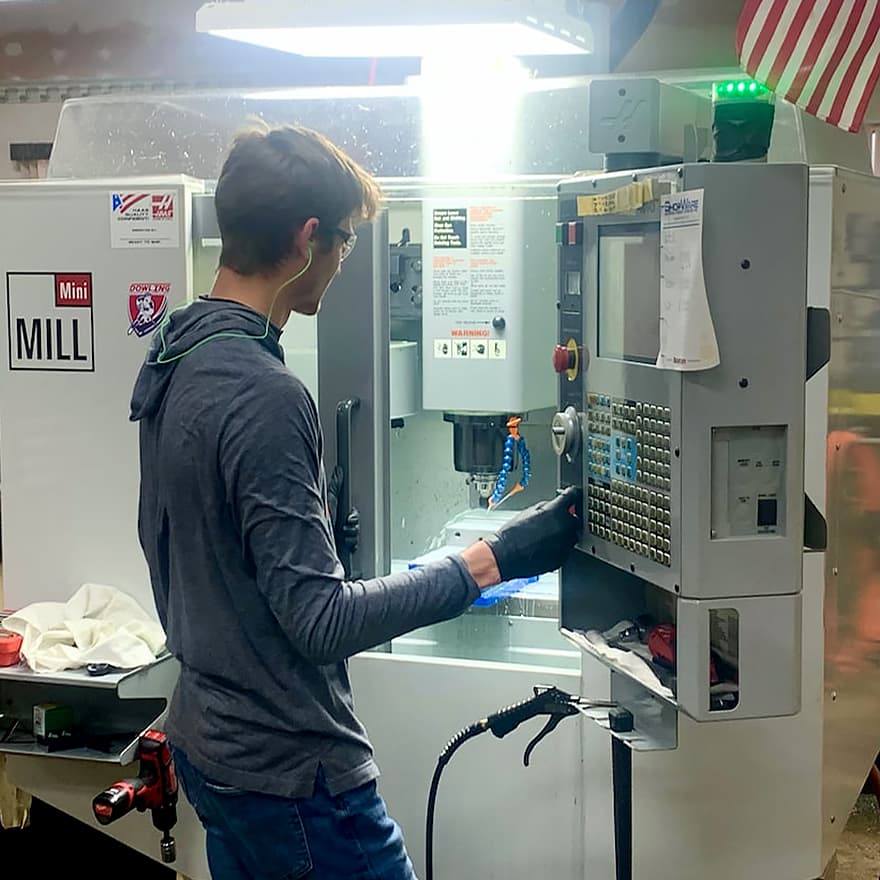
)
(823, 55)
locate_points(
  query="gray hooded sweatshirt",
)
(233, 522)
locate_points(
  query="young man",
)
(235, 527)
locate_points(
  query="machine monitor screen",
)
(629, 292)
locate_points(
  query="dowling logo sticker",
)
(147, 306)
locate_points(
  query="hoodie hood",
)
(178, 338)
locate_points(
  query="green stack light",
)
(739, 89)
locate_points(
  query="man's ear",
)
(304, 237)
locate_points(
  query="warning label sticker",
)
(144, 219)
(450, 228)
(497, 350)
(472, 263)
(461, 348)
(472, 279)
(50, 322)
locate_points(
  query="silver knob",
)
(565, 432)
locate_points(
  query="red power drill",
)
(153, 789)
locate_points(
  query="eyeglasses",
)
(349, 240)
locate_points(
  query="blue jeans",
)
(254, 836)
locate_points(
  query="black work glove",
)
(538, 539)
(346, 524)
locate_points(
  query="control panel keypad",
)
(631, 517)
(629, 471)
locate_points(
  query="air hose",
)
(551, 701)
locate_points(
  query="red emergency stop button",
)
(564, 359)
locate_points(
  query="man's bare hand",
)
(481, 563)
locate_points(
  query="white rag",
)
(627, 661)
(97, 625)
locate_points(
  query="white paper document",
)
(687, 336)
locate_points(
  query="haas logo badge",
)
(147, 305)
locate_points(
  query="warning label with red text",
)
(469, 270)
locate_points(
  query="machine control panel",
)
(629, 474)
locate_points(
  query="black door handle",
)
(350, 518)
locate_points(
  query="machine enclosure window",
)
(723, 659)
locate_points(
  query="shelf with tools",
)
(78, 716)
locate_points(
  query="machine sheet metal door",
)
(354, 395)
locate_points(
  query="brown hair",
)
(273, 181)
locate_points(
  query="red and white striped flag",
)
(823, 55)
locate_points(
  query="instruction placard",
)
(144, 219)
(470, 268)
(687, 335)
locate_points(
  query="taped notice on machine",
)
(687, 335)
(144, 219)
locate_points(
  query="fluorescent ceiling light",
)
(404, 40)
(350, 29)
